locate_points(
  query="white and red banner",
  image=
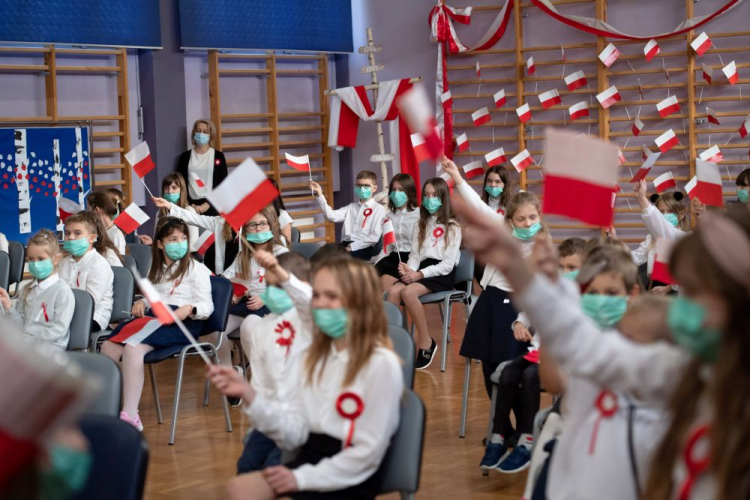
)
(420, 148)
(480, 116)
(668, 106)
(664, 182)
(712, 155)
(609, 55)
(522, 160)
(637, 127)
(550, 98)
(690, 187)
(640, 174)
(131, 218)
(579, 175)
(701, 44)
(473, 169)
(524, 113)
(136, 331)
(709, 188)
(160, 310)
(662, 254)
(730, 70)
(609, 97)
(446, 98)
(500, 98)
(651, 49)
(140, 159)
(204, 242)
(708, 73)
(301, 163)
(744, 128)
(712, 116)
(530, 68)
(575, 80)
(495, 157)
(415, 109)
(462, 141)
(580, 110)
(667, 141)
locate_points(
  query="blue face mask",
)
(398, 198)
(201, 138)
(41, 269)
(276, 299)
(605, 310)
(172, 197)
(685, 320)
(742, 194)
(494, 191)
(526, 233)
(77, 248)
(176, 251)
(572, 275)
(672, 219)
(260, 237)
(431, 204)
(332, 322)
(363, 193)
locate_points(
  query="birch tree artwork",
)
(22, 182)
(56, 178)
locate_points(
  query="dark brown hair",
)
(369, 175)
(295, 264)
(571, 246)
(743, 180)
(507, 190)
(168, 180)
(445, 214)
(94, 224)
(104, 201)
(157, 274)
(410, 189)
(245, 253)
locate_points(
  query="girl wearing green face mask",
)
(174, 191)
(185, 286)
(403, 214)
(743, 187)
(45, 305)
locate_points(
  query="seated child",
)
(105, 205)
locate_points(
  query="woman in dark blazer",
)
(202, 163)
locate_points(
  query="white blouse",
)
(193, 289)
(434, 247)
(404, 224)
(256, 283)
(117, 237)
(201, 165)
(285, 219)
(363, 222)
(93, 274)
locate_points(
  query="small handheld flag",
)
(580, 110)
(473, 169)
(131, 218)
(664, 182)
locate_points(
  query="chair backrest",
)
(403, 344)
(465, 269)
(80, 325)
(130, 264)
(393, 313)
(305, 249)
(221, 295)
(17, 254)
(124, 287)
(142, 255)
(400, 468)
(4, 271)
(295, 235)
(119, 459)
(108, 400)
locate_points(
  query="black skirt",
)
(489, 336)
(437, 283)
(318, 447)
(388, 265)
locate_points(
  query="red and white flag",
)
(712, 116)
(473, 169)
(448, 179)
(648, 163)
(640, 174)
(701, 44)
(500, 99)
(161, 311)
(667, 141)
(646, 152)
(708, 73)
(414, 106)
(67, 207)
(301, 163)
(243, 194)
(530, 68)
(664, 182)
(579, 175)
(446, 98)
(745, 127)
(575, 80)
(668, 106)
(651, 49)
(131, 218)
(712, 155)
(197, 180)
(136, 331)
(550, 98)
(478, 70)
(463, 142)
(580, 110)
(690, 187)
(730, 70)
(522, 160)
(389, 234)
(480, 116)
(524, 113)
(204, 242)
(663, 252)
(609, 55)
(709, 188)
(495, 157)
(609, 97)
(140, 159)
(621, 157)
(420, 148)
(637, 126)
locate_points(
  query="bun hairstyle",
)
(678, 196)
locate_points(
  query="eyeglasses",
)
(255, 225)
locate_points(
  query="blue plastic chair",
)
(142, 255)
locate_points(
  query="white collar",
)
(45, 284)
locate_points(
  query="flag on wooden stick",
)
(131, 218)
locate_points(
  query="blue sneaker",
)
(493, 455)
(518, 460)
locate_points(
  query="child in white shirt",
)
(106, 206)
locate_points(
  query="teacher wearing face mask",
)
(202, 164)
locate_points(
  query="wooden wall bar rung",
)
(483, 81)
(485, 52)
(472, 67)
(652, 71)
(589, 77)
(87, 52)
(24, 50)
(566, 46)
(527, 5)
(245, 131)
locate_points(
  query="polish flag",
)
(448, 179)
(238, 289)
(301, 163)
(524, 113)
(197, 180)
(712, 155)
(478, 70)
(640, 174)
(140, 159)
(648, 164)
(162, 311)
(730, 70)
(712, 116)
(500, 98)
(690, 187)
(522, 160)
(463, 142)
(621, 157)
(579, 175)
(580, 110)
(446, 98)
(473, 169)
(389, 234)
(420, 148)
(668, 106)
(414, 107)
(663, 252)
(701, 44)
(575, 80)
(609, 97)
(637, 126)
(708, 73)
(550, 98)
(609, 55)
(709, 188)
(646, 152)
(204, 242)
(136, 331)
(667, 141)
(530, 68)
(651, 49)
(131, 218)
(480, 116)
(495, 157)
(664, 182)
(68, 207)
(745, 127)
(243, 194)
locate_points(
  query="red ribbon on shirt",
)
(44, 310)
(260, 276)
(437, 233)
(695, 465)
(78, 279)
(606, 403)
(349, 414)
(286, 333)
(367, 213)
(174, 285)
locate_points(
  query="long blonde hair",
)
(245, 253)
(211, 130)
(367, 328)
(520, 199)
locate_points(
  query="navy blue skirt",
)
(240, 309)
(168, 335)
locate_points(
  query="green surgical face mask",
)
(363, 193)
(494, 191)
(572, 275)
(77, 248)
(332, 322)
(685, 319)
(431, 204)
(526, 233)
(398, 198)
(172, 197)
(276, 299)
(605, 310)
(742, 194)
(672, 219)
(176, 251)
(41, 269)
(260, 237)
(68, 472)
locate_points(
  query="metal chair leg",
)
(178, 388)
(449, 319)
(465, 398)
(224, 401)
(155, 390)
(444, 346)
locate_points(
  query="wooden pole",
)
(692, 138)
(273, 118)
(379, 125)
(328, 186)
(520, 75)
(50, 83)
(123, 109)
(213, 94)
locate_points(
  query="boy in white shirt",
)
(362, 219)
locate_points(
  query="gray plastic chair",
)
(80, 325)
(401, 465)
(142, 255)
(17, 254)
(394, 314)
(122, 303)
(129, 263)
(403, 344)
(108, 400)
(305, 249)
(295, 235)
(4, 270)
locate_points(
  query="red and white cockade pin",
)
(606, 403)
(350, 407)
(437, 233)
(260, 276)
(697, 459)
(367, 213)
(286, 334)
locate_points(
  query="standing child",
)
(431, 267)
(362, 219)
(174, 190)
(105, 205)
(183, 284)
(496, 192)
(85, 269)
(44, 308)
